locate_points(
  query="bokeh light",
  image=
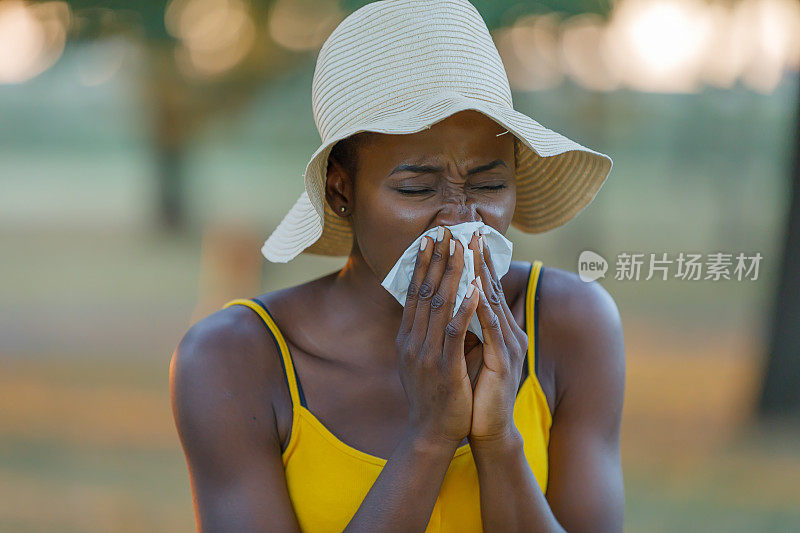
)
(658, 45)
(303, 24)
(667, 46)
(32, 38)
(586, 53)
(215, 34)
(530, 52)
(773, 28)
(104, 60)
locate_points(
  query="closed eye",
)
(425, 191)
(415, 191)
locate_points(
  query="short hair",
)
(345, 152)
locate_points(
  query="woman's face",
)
(457, 171)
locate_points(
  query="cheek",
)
(386, 225)
(498, 210)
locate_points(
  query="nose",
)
(456, 214)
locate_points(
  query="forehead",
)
(467, 136)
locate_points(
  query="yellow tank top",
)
(328, 479)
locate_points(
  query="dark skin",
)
(417, 393)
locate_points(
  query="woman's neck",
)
(357, 297)
(357, 288)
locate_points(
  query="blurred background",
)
(148, 148)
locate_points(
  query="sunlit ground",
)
(87, 441)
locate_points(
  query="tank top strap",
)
(532, 317)
(289, 374)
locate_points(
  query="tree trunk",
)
(780, 393)
(171, 209)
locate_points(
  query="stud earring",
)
(342, 209)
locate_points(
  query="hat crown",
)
(394, 54)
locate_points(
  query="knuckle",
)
(452, 330)
(425, 290)
(493, 298)
(497, 286)
(437, 302)
(494, 322)
(437, 255)
(413, 290)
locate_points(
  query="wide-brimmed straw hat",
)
(400, 66)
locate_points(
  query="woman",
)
(328, 406)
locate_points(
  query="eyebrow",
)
(429, 168)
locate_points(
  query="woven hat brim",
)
(556, 177)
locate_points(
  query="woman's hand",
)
(504, 347)
(430, 344)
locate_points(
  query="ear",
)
(338, 186)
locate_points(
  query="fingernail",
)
(480, 284)
(483, 243)
(439, 234)
(452, 247)
(470, 289)
(424, 243)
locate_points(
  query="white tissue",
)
(500, 248)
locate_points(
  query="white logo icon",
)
(591, 266)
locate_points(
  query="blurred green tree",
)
(182, 102)
(780, 392)
(178, 36)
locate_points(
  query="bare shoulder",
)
(222, 383)
(578, 307)
(222, 380)
(584, 330)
